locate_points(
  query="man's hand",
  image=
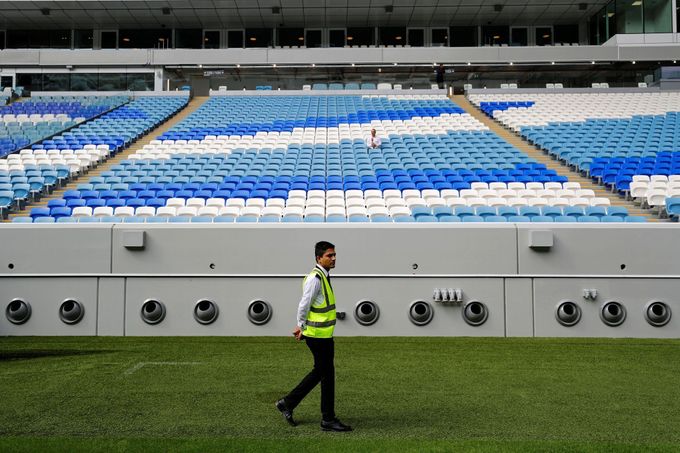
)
(297, 333)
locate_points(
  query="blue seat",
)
(403, 219)
(201, 219)
(358, 218)
(672, 207)
(472, 218)
(22, 220)
(111, 219)
(66, 220)
(44, 220)
(573, 211)
(426, 218)
(179, 219)
(543, 219)
(270, 219)
(89, 219)
(224, 219)
(291, 218)
(564, 218)
(337, 218)
(450, 219)
(133, 219)
(611, 219)
(519, 219)
(498, 218)
(40, 212)
(596, 211)
(157, 219)
(588, 219)
(635, 219)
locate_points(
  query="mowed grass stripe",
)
(410, 394)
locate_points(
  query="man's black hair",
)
(321, 247)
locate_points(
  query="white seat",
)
(240, 202)
(399, 210)
(229, 211)
(124, 211)
(103, 211)
(81, 211)
(276, 202)
(293, 210)
(216, 202)
(209, 211)
(599, 201)
(251, 211)
(537, 201)
(166, 211)
(195, 202)
(656, 198)
(579, 202)
(145, 211)
(175, 202)
(189, 211)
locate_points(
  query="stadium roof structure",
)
(292, 13)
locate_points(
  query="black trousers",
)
(323, 350)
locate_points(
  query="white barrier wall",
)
(397, 279)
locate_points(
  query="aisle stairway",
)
(538, 155)
(191, 107)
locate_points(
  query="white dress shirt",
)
(311, 296)
(372, 141)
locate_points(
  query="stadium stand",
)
(624, 141)
(32, 173)
(304, 158)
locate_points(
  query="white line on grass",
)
(140, 365)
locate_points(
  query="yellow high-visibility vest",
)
(320, 321)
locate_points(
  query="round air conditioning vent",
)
(18, 311)
(153, 311)
(71, 311)
(259, 312)
(205, 311)
(420, 313)
(366, 312)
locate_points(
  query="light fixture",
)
(238, 65)
(496, 37)
(398, 38)
(675, 61)
(610, 14)
(552, 62)
(253, 39)
(636, 3)
(395, 64)
(469, 63)
(546, 36)
(301, 38)
(200, 65)
(633, 61)
(126, 39)
(45, 11)
(511, 63)
(592, 62)
(274, 65)
(349, 38)
(314, 65)
(353, 65)
(166, 11)
(379, 69)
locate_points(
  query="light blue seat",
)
(543, 219)
(133, 219)
(426, 219)
(472, 218)
(270, 219)
(611, 219)
(381, 219)
(635, 219)
(449, 219)
(519, 219)
(201, 219)
(156, 219)
(564, 219)
(291, 218)
(672, 207)
(358, 218)
(44, 220)
(89, 219)
(247, 219)
(22, 220)
(336, 218)
(498, 218)
(588, 219)
(66, 220)
(111, 219)
(403, 219)
(224, 219)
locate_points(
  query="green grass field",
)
(400, 394)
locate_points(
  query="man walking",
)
(315, 324)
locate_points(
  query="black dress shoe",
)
(287, 413)
(335, 425)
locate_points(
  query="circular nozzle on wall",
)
(259, 312)
(568, 313)
(475, 313)
(18, 311)
(420, 313)
(657, 313)
(153, 311)
(613, 314)
(366, 312)
(205, 311)
(71, 311)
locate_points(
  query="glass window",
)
(290, 37)
(544, 36)
(83, 39)
(188, 38)
(6, 82)
(336, 38)
(112, 82)
(440, 37)
(2, 39)
(611, 20)
(56, 82)
(464, 36)
(211, 39)
(235, 39)
(84, 82)
(566, 33)
(59, 39)
(519, 36)
(602, 26)
(258, 37)
(17, 39)
(145, 39)
(312, 38)
(30, 82)
(629, 16)
(657, 14)
(392, 36)
(416, 37)
(109, 40)
(360, 36)
(140, 82)
(495, 35)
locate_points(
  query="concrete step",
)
(191, 107)
(540, 156)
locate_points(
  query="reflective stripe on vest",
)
(320, 321)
